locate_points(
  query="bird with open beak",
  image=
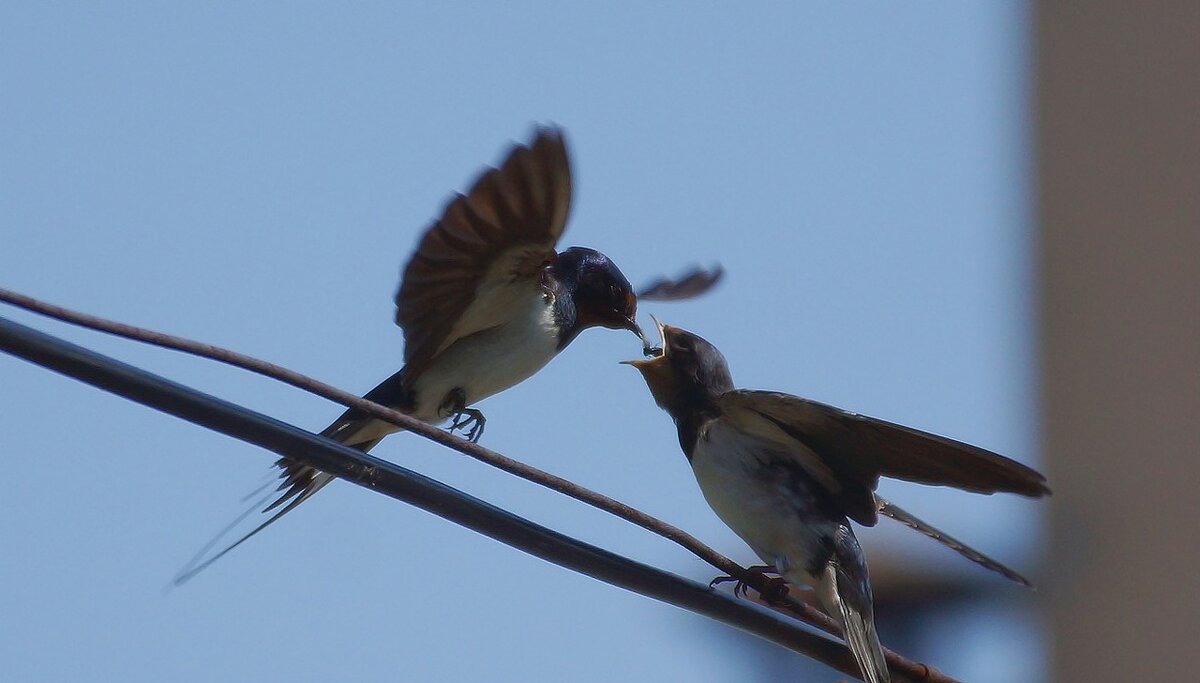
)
(788, 474)
(485, 301)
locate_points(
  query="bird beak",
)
(655, 354)
(630, 320)
(632, 326)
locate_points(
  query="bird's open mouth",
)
(652, 353)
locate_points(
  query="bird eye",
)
(682, 344)
(615, 296)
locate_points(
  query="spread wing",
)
(485, 253)
(849, 452)
(693, 283)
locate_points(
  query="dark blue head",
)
(599, 291)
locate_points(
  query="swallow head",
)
(603, 296)
(686, 373)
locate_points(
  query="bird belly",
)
(488, 361)
(762, 501)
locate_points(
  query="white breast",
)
(490, 361)
(759, 507)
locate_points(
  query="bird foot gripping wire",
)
(470, 422)
(775, 591)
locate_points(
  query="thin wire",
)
(798, 609)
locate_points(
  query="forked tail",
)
(888, 509)
(353, 428)
(298, 484)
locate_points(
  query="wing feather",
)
(858, 450)
(495, 238)
(691, 284)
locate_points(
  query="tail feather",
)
(848, 587)
(353, 428)
(888, 509)
(297, 493)
(299, 483)
(859, 631)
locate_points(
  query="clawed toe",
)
(469, 421)
(722, 579)
(775, 592)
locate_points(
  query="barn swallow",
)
(484, 303)
(788, 474)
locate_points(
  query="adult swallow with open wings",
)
(485, 302)
(788, 474)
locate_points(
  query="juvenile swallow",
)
(484, 303)
(788, 474)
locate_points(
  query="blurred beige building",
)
(1118, 144)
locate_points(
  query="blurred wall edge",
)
(1118, 117)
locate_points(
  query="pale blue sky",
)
(256, 176)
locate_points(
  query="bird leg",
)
(469, 420)
(774, 593)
